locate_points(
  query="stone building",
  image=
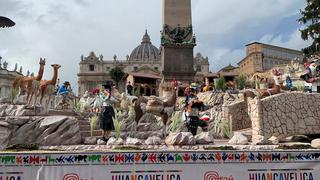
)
(6, 78)
(229, 72)
(201, 66)
(261, 57)
(145, 81)
(143, 65)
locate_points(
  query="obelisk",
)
(177, 41)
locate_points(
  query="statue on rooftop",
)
(15, 67)
(5, 65)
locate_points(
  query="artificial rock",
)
(43, 131)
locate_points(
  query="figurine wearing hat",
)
(107, 111)
(312, 71)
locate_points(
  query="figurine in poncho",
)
(107, 112)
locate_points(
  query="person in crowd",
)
(129, 88)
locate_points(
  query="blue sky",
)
(62, 31)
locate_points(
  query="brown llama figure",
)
(276, 89)
(47, 87)
(26, 83)
(170, 102)
(137, 108)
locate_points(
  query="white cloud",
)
(223, 57)
(294, 41)
(225, 16)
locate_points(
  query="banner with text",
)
(198, 165)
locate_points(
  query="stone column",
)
(255, 112)
(177, 12)
(177, 41)
(1, 91)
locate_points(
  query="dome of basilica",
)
(145, 51)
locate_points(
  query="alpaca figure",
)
(29, 84)
(131, 117)
(170, 102)
(266, 92)
(163, 108)
(47, 87)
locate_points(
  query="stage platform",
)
(102, 164)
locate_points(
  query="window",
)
(91, 67)
(135, 68)
(198, 68)
(156, 68)
(108, 68)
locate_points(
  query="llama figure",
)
(29, 84)
(48, 87)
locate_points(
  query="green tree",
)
(241, 81)
(220, 84)
(311, 30)
(117, 74)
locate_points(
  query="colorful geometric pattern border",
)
(127, 158)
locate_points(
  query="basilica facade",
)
(142, 68)
(6, 78)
